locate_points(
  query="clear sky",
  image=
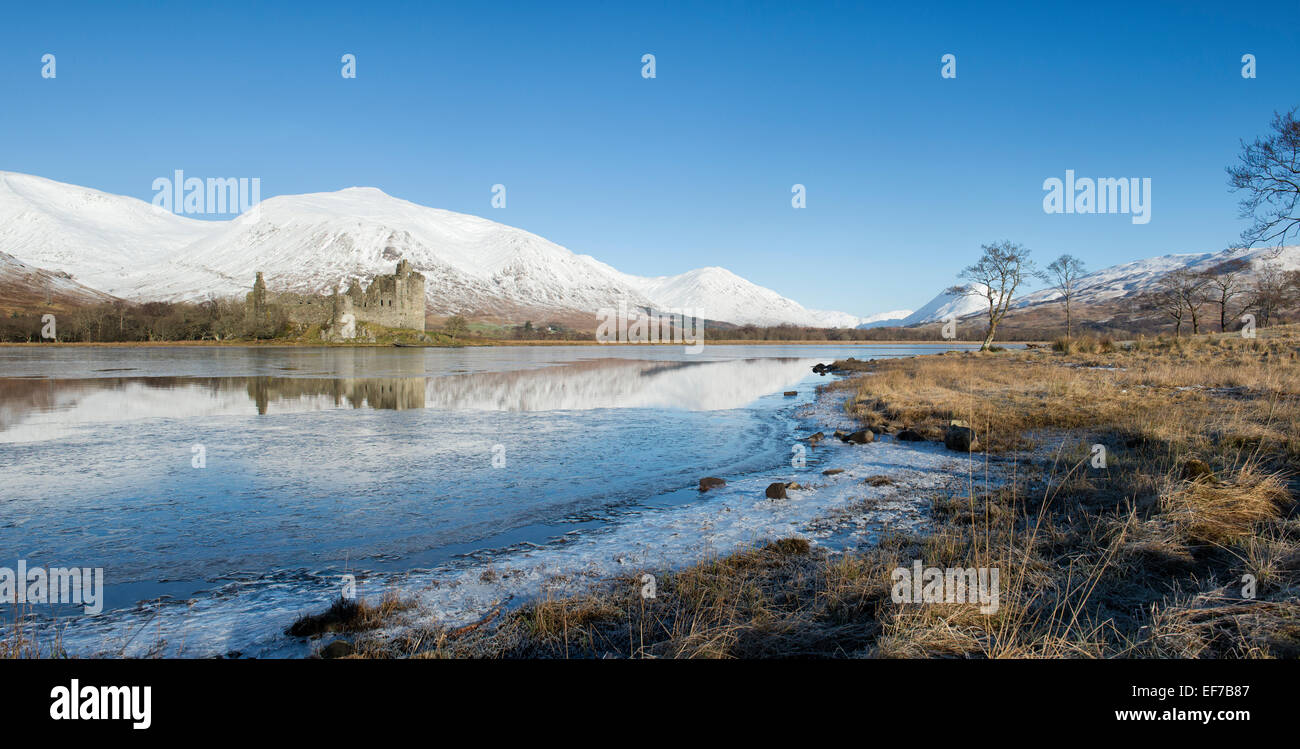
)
(906, 172)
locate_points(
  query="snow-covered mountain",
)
(945, 304)
(108, 242)
(1128, 279)
(884, 319)
(317, 242)
(832, 319)
(722, 295)
(23, 284)
(313, 243)
(1116, 282)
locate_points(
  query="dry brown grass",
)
(344, 615)
(782, 599)
(1214, 512)
(1210, 626)
(1085, 345)
(1217, 392)
(19, 640)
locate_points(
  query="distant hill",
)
(28, 290)
(1106, 297)
(884, 319)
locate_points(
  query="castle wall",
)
(393, 301)
(306, 309)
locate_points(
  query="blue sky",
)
(906, 173)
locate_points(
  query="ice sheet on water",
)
(250, 615)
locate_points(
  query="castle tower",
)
(354, 293)
(255, 302)
(410, 295)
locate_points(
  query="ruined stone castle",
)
(393, 301)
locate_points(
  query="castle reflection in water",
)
(389, 393)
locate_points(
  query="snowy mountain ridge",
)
(1115, 282)
(320, 241)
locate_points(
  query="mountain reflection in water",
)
(32, 409)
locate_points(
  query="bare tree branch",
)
(1269, 173)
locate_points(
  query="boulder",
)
(832, 471)
(338, 649)
(789, 393)
(839, 434)
(776, 491)
(1195, 470)
(793, 486)
(860, 437)
(1140, 442)
(711, 482)
(815, 438)
(960, 438)
(910, 435)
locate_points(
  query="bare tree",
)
(1270, 293)
(455, 326)
(1179, 294)
(1269, 173)
(1291, 278)
(1064, 273)
(1165, 300)
(1187, 289)
(1224, 282)
(995, 278)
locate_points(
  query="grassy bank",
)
(1183, 542)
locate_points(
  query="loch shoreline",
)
(1138, 550)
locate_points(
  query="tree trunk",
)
(1069, 322)
(988, 339)
(993, 324)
